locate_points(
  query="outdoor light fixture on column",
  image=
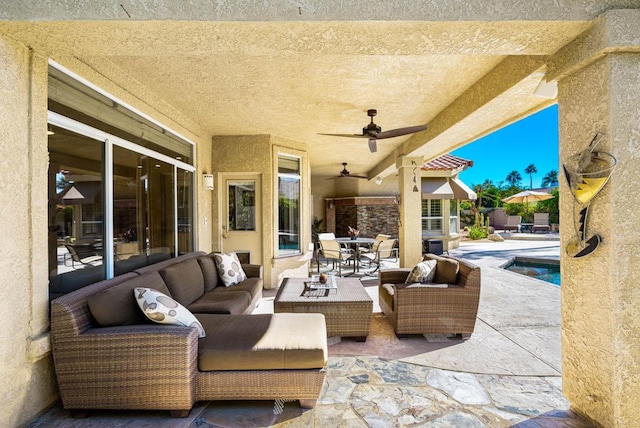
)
(207, 181)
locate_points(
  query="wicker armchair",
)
(429, 309)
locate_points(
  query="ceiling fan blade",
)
(373, 145)
(400, 131)
(346, 135)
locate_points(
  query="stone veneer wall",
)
(370, 216)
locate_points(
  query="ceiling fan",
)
(345, 173)
(373, 132)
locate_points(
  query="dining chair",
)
(332, 250)
(386, 250)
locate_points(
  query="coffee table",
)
(347, 310)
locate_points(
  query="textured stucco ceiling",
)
(297, 79)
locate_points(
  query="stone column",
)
(410, 227)
(599, 91)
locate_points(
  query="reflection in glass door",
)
(76, 208)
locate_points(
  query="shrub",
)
(477, 233)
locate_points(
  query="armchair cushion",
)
(117, 306)
(423, 272)
(446, 269)
(229, 269)
(162, 309)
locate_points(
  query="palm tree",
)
(513, 178)
(550, 179)
(531, 169)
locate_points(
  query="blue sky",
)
(532, 140)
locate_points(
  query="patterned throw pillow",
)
(229, 269)
(162, 309)
(423, 272)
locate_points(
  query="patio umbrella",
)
(527, 197)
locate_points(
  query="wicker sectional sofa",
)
(107, 355)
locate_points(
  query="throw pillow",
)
(423, 272)
(229, 269)
(162, 309)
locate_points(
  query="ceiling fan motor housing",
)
(371, 129)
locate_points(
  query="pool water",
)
(546, 271)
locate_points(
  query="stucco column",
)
(599, 91)
(410, 227)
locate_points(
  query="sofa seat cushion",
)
(252, 286)
(232, 302)
(184, 280)
(262, 342)
(117, 305)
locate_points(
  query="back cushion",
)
(209, 271)
(184, 280)
(117, 305)
(446, 269)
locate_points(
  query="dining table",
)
(356, 244)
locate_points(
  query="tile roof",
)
(446, 163)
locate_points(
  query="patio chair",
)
(513, 223)
(379, 238)
(431, 308)
(386, 250)
(541, 222)
(82, 257)
(332, 250)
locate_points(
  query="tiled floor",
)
(507, 374)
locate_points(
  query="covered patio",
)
(247, 90)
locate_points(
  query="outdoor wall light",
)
(378, 180)
(207, 181)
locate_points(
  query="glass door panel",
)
(76, 209)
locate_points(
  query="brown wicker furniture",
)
(141, 365)
(347, 310)
(430, 308)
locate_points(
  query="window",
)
(432, 217)
(242, 205)
(453, 216)
(288, 205)
(116, 204)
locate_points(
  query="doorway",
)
(242, 216)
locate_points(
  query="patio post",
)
(599, 91)
(410, 207)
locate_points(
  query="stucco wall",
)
(25, 360)
(258, 154)
(600, 295)
(25, 365)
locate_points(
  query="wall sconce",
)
(378, 180)
(207, 181)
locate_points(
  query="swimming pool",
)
(544, 269)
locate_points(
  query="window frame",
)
(109, 142)
(300, 178)
(428, 218)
